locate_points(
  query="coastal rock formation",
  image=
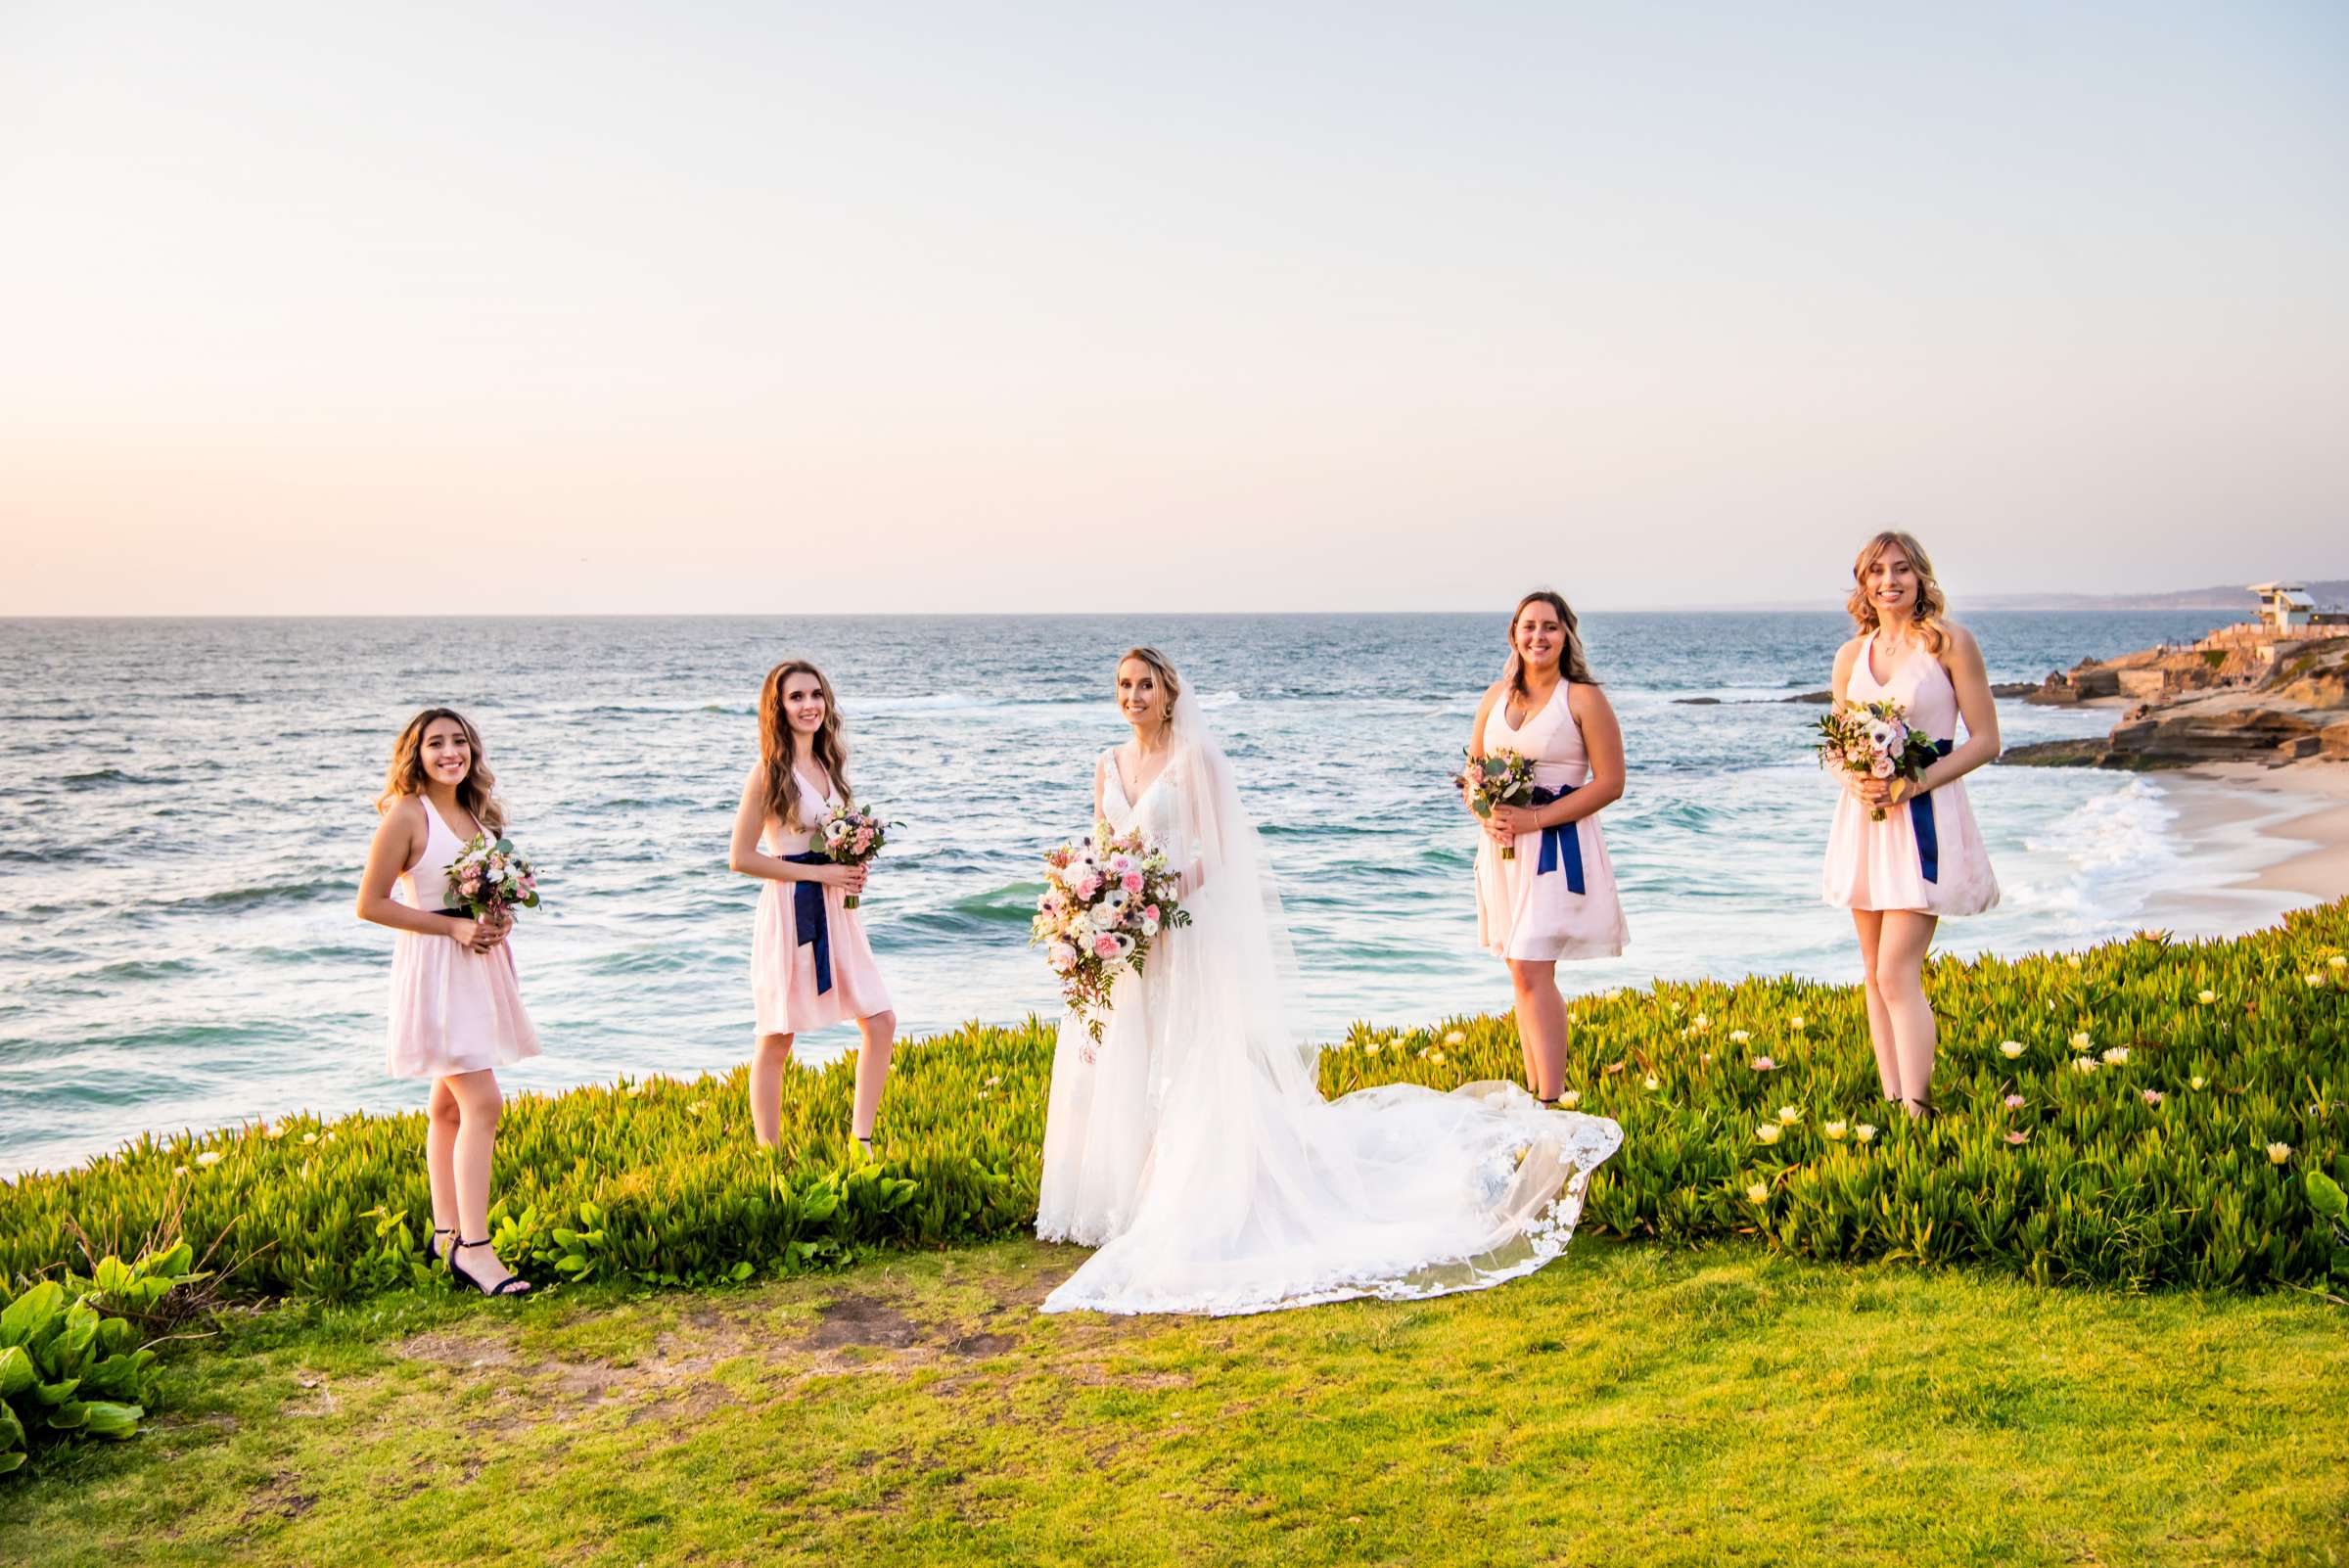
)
(2252, 702)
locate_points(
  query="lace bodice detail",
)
(1160, 812)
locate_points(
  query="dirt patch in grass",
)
(862, 1320)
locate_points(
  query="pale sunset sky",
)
(779, 308)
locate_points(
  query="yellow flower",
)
(2011, 1048)
(2071, 960)
(1651, 1083)
(1738, 1037)
(208, 1157)
(2207, 998)
(2314, 977)
(2195, 1083)
(2081, 1041)
(1768, 1131)
(2084, 1064)
(1756, 1193)
(273, 1132)
(1437, 1058)
(2278, 1153)
(1794, 1021)
(1700, 1022)
(309, 1137)
(1370, 1049)
(2116, 1056)
(1834, 1130)
(1571, 1098)
(2337, 962)
(1455, 1037)
(1788, 1116)
(1866, 1132)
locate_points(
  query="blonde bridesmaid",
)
(1925, 859)
(456, 1007)
(1555, 900)
(810, 964)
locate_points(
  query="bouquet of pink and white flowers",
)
(851, 836)
(490, 878)
(1874, 739)
(1106, 897)
(1497, 778)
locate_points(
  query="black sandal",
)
(511, 1286)
(433, 1254)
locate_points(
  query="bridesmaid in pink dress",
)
(810, 965)
(1925, 859)
(1556, 898)
(456, 1009)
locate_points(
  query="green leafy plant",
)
(2153, 1167)
(71, 1364)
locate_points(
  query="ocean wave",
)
(995, 910)
(101, 776)
(313, 891)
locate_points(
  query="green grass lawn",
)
(1629, 1405)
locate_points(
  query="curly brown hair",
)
(476, 792)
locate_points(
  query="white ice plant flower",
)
(2011, 1048)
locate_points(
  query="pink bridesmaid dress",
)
(810, 964)
(1556, 899)
(453, 1010)
(1926, 855)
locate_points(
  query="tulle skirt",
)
(1197, 1153)
(454, 1010)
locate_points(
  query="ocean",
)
(185, 805)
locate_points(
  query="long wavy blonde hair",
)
(477, 791)
(1931, 603)
(775, 752)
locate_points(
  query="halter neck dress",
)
(787, 985)
(1878, 866)
(453, 1010)
(1523, 911)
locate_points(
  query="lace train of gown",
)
(1197, 1153)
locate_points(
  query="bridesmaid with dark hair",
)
(456, 1009)
(810, 964)
(1925, 859)
(1555, 900)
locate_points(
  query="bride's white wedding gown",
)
(1195, 1150)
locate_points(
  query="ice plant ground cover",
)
(657, 1182)
(1631, 1404)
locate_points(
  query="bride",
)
(1192, 1145)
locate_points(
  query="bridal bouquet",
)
(851, 836)
(1874, 739)
(1497, 778)
(1106, 897)
(490, 878)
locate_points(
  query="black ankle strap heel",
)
(511, 1286)
(437, 1254)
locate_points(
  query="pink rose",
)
(1105, 946)
(1133, 882)
(1150, 914)
(1882, 768)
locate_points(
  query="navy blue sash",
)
(1560, 841)
(1920, 820)
(807, 917)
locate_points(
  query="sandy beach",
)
(2270, 838)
